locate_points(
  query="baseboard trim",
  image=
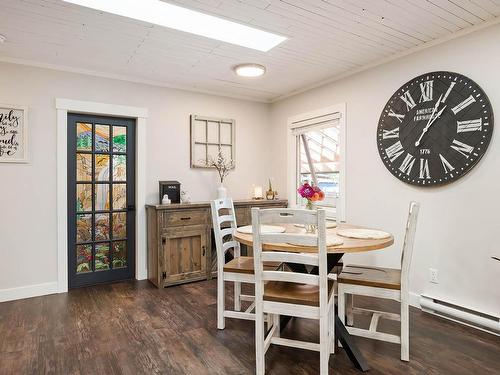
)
(415, 300)
(28, 291)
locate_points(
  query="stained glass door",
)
(101, 199)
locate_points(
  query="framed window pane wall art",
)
(208, 136)
(13, 134)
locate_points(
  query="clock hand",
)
(417, 143)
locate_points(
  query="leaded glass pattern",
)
(83, 136)
(119, 167)
(119, 254)
(119, 196)
(102, 257)
(101, 167)
(101, 227)
(119, 138)
(83, 228)
(83, 167)
(102, 138)
(83, 197)
(119, 225)
(100, 217)
(83, 258)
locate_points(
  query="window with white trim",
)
(317, 150)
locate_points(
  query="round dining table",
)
(335, 253)
(349, 245)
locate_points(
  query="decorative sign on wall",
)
(13, 134)
(210, 135)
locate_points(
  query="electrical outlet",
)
(433, 275)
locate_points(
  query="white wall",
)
(459, 223)
(28, 253)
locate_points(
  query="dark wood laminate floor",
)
(134, 328)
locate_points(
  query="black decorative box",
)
(172, 189)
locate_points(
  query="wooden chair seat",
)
(246, 265)
(300, 294)
(388, 278)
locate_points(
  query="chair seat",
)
(245, 265)
(300, 294)
(387, 278)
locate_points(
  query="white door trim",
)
(63, 106)
(292, 151)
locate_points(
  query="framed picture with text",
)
(13, 133)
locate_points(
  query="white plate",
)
(331, 240)
(329, 225)
(365, 234)
(263, 229)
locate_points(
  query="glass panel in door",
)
(101, 185)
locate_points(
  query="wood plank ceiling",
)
(327, 38)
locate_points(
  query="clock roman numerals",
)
(407, 164)
(446, 164)
(467, 102)
(434, 129)
(448, 92)
(424, 169)
(394, 151)
(426, 89)
(462, 148)
(410, 103)
(387, 134)
(469, 125)
(396, 115)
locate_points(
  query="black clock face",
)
(435, 129)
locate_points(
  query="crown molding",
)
(126, 78)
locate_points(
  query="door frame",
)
(63, 106)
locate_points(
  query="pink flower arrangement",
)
(311, 193)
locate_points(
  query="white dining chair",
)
(379, 282)
(292, 294)
(238, 270)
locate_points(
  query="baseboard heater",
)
(461, 314)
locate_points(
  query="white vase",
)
(221, 192)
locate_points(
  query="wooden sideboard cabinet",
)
(180, 239)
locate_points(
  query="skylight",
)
(175, 17)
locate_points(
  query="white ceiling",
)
(327, 38)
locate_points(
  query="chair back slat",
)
(226, 219)
(288, 216)
(224, 236)
(226, 232)
(278, 256)
(222, 203)
(291, 277)
(406, 256)
(292, 238)
(229, 245)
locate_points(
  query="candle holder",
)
(257, 193)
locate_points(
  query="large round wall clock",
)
(435, 129)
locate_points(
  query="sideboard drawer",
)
(184, 217)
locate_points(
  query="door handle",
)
(130, 207)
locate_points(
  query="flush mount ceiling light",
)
(249, 70)
(2, 38)
(190, 21)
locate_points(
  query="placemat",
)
(365, 234)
